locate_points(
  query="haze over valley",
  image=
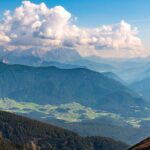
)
(74, 76)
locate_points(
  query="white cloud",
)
(36, 26)
(4, 39)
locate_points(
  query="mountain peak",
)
(62, 55)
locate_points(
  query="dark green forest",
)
(23, 133)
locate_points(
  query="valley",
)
(74, 75)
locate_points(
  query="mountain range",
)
(51, 85)
(76, 97)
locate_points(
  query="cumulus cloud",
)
(4, 39)
(38, 27)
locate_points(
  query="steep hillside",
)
(144, 145)
(30, 134)
(51, 85)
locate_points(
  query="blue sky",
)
(98, 12)
(106, 10)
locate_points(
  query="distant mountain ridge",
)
(46, 86)
(62, 55)
(142, 87)
(51, 85)
(112, 75)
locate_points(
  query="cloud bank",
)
(37, 27)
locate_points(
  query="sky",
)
(96, 13)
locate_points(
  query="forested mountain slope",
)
(29, 134)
